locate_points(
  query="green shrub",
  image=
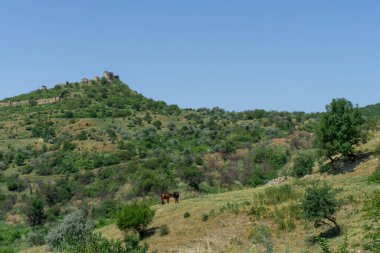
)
(16, 184)
(96, 243)
(277, 194)
(74, 228)
(372, 210)
(377, 151)
(323, 243)
(260, 176)
(262, 235)
(257, 211)
(204, 217)
(303, 164)
(135, 216)
(192, 175)
(186, 215)
(36, 238)
(375, 176)
(290, 224)
(320, 203)
(164, 230)
(35, 211)
(106, 209)
(157, 124)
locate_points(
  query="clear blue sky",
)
(282, 55)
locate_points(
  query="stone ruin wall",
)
(42, 101)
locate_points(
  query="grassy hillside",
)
(372, 110)
(233, 217)
(104, 145)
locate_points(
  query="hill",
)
(234, 217)
(99, 144)
(372, 110)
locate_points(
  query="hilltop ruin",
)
(107, 75)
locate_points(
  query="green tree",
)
(340, 129)
(320, 204)
(148, 118)
(136, 216)
(157, 124)
(192, 175)
(303, 164)
(35, 211)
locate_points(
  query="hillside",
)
(372, 110)
(98, 144)
(233, 217)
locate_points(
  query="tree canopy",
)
(340, 129)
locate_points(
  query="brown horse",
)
(165, 196)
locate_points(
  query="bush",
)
(303, 164)
(95, 243)
(193, 176)
(106, 209)
(164, 230)
(375, 175)
(157, 124)
(35, 211)
(262, 235)
(74, 228)
(278, 194)
(204, 217)
(36, 238)
(135, 216)
(377, 151)
(320, 203)
(372, 210)
(323, 243)
(16, 184)
(186, 215)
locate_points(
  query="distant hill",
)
(371, 110)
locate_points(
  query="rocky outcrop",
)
(278, 180)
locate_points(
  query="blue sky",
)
(281, 55)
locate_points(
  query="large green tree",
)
(340, 129)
